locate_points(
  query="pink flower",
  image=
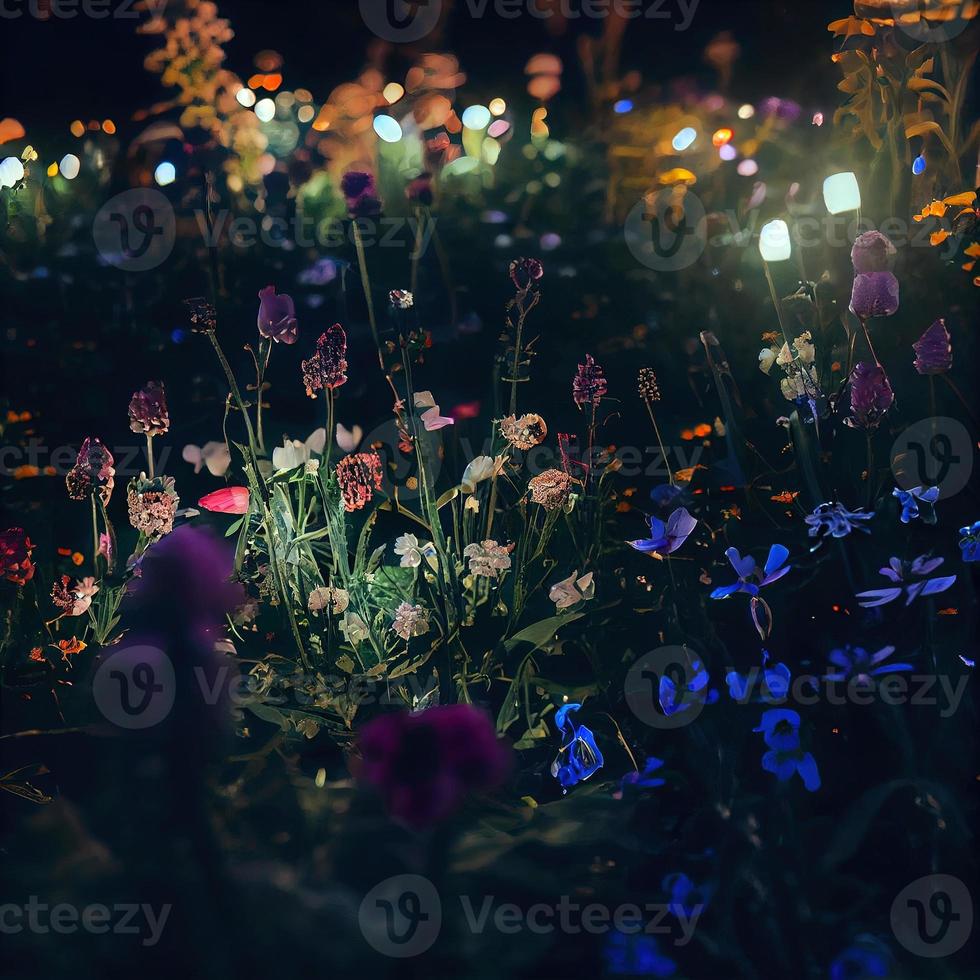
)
(148, 410)
(277, 316)
(589, 384)
(229, 500)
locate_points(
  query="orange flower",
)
(70, 647)
(26, 471)
(37, 654)
(702, 430)
(685, 476)
(786, 496)
(77, 558)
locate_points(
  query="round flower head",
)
(872, 252)
(874, 294)
(871, 396)
(525, 432)
(361, 194)
(148, 410)
(359, 475)
(525, 273)
(550, 489)
(934, 350)
(410, 621)
(488, 559)
(152, 505)
(15, 556)
(327, 368)
(277, 316)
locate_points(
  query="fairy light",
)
(77, 128)
(497, 106)
(387, 128)
(165, 173)
(108, 126)
(476, 117)
(11, 171)
(392, 92)
(722, 137)
(728, 152)
(265, 109)
(748, 168)
(69, 166)
(623, 106)
(774, 242)
(841, 193)
(684, 139)
(245, 97)
(305, 113)
(746, 111)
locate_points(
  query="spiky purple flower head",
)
(871, 396)
(934, 350)
(589, 384)
(148, 410)
(327, 368)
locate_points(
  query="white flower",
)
(410, 621)
(767, 357)
(785, 356)
(479, 469)
(804, 348)
(488, 558)
(214, 455)
(570, 591)
(294, 453)
(412, 551)
(349, 439)
(354, 628)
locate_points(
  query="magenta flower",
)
(525, 273)
(934, 350)
(871, 396)
(874, 294)
(93, 471)
(872, 252)
(425, 764)
(327, 368)
(589, 384)
(361, 194)
(148, 410)
(277, 316)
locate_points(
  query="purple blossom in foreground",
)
(903, 573)
(425, 764)
(871, 396)
(665, 539)
(934, 350)
(836, 521)
(856, 663)
(874, 294)
(277, 316)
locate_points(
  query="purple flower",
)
(747, 570)
(874, 294)
(872, 252)
(871, 396)
(836, 521)
(589, 384)
(93, 471)
(148, 410)
(856, 662)
(780, 729)
(645, 778)
(277, 316)
(912, 498)
(934, 350)
(901, 572)
(419, 190)
(327, 368)
(970, 542)
(674, 700)
(525, 273)
(361, 194)
(666, 538)
(425, 764)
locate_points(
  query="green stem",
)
(149, 453)
(366, 286)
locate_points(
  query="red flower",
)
(15, 556)
(359, 475)
(230, 500)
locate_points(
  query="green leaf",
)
(542, 632)
(234, 526)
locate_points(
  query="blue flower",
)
(579, 756)
(775, 682)
(780, 729)
(686, 898)
(910, 500)
(899, 572)
(867, 957)
(645, 778)
(636, 955)
(836, 521)
(673, 700)
(667, 494)
(666, 538)
(856, 662)
(746, 570)
(970, 542)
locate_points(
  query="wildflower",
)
(747, 570)
(836, 521)
(73, 601)
(15, 556)
(148, 410)
(333, 599)
(647, 386)
(71, 647)
(354, 628)
(934, 350)
(293, 453)
(228, 500)
(277, 316)
(524, 433)
(572, 590)
(349, 439)
(401, 299)
(871, 396)
(674, 700)
(550, 489)
(105, 546)
(857, 664)
(911, 499)
(93, 471)
(780, 729)
(525, 273)
(488, 559)
(419, 190)
(644, 779)
(152, 505)
(361, 194)
(411, 551)
(874, 294)
(431, 418)
(589, 385)
(776, 680)
(900, 572)
(327, 368)
(479, 469)
(425, 764)
(214, 455)
(579, 756)
(410, 621)
(665, 539)
(872, 252)
(969, 542)
(359, 476)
